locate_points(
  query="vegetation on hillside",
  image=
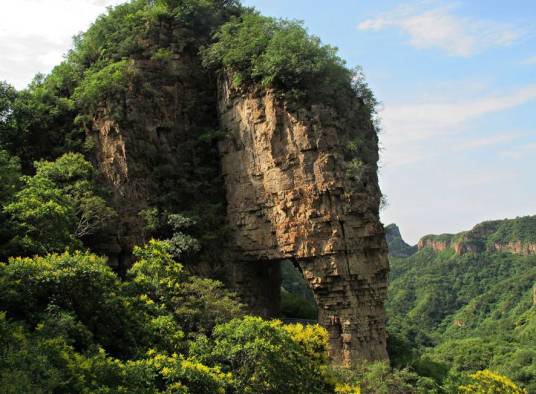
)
(452, 314)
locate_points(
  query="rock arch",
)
(288, 197)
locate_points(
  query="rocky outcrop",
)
(397, 246)
(147, 146)
(437, 244)
(515, 247)
(289, 197)
(516, 236)
(287, 193)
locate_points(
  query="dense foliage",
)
(157, 330)
(273, 53)
(61, 206)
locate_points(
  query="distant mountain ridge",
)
(516, 236)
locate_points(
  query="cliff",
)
(270, 167)
(516, 236)
(289, 197)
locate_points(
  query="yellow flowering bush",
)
(488, 382)
(347, 389)
(312, 338)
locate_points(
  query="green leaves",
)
(197, 304)
(10, 174)
(58, 206)
(103, 85)
(264, 357)
(275, 53)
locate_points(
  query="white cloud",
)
(422, 130)
(34, 34)
(438, 27)
(422, 120)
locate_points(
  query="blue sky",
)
(457, 82)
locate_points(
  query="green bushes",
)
(487, 382)
(521, 229)
(83, 286)
(379, 378)
(100, 86)
(71, 325)
(58, 207)
(278, 54)
(265, 358)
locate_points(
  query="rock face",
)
(516, 236)
(435, 243)
(289, 197)
(290, 190)
(150, 155)
(516, 247)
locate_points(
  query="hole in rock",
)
(297, 300)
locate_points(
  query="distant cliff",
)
(397, 246)
(516, 236)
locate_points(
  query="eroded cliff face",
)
(496, 236)
(289, 196)
(516, 247)
(148, 147)
(433, 243)
(290, 189)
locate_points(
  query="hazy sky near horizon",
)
(457, 82)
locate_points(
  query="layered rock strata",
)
(289, 197)
(497, 236)
(292, 189)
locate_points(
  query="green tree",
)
(488, 382)
(379, 378)
(197, 304)
(8, 95)
(81, 284)
(279, 54)
(263, 358)
(59, 206)
(10, 173)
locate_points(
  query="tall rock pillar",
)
(293, 193)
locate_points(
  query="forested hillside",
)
(464, 303)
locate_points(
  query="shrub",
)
(263, 357)
(81, 284)
(58, 206)
(279, 54)
(488, 382)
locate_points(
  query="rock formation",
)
(289, 188)
(288, 197)
(516, 236)
(397, 246)
(435, 243)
